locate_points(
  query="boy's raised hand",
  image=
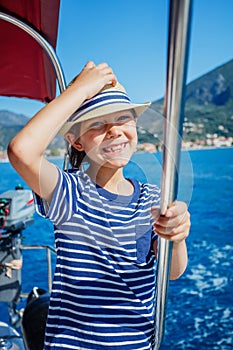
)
(93, 78)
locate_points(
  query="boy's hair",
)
(76, 157)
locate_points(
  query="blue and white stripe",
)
(100, 100)
(104, 282)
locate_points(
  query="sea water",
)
(200, 303)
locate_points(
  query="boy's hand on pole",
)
(175, 224)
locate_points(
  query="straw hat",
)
(111, 99)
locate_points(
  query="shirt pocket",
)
(143, 242)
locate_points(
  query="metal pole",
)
(52, 56)
(48, 255)
(179, 29)
(43, 43)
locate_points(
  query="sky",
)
(131, 36)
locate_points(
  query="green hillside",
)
(208, 105)
(209, 101)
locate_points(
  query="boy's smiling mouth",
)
(115, 148)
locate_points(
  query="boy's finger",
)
(175, 209)
(90, 64)
(155, 212)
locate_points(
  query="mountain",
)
(209, 101)
(9, 119)
(208, 110)
(11, 123)
(208, 106)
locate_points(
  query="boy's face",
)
(109, 140)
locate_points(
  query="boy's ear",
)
(70, 137)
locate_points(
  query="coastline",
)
(4, 158)
(205, 148)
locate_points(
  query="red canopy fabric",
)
(25, 70)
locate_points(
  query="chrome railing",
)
(48, 250)
(179, 29)
(48, 49)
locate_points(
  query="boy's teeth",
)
(114, 148)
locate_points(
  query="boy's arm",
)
(26, 149)
(179, 260)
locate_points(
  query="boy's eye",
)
(125, 118)
(100, 125)
(96, 125)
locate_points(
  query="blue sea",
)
(200, 303)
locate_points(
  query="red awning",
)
(25, 70)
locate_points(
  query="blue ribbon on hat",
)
(102, 99)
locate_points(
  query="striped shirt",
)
(104, 283)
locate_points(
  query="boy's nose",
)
(113, 130)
